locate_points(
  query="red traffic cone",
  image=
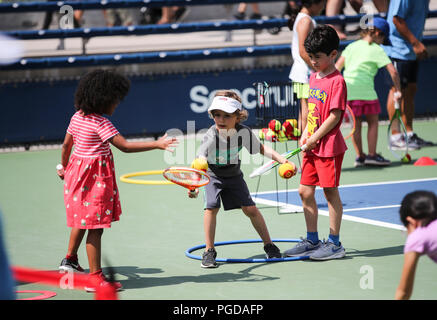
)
(425, 161)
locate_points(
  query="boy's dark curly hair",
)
(99, 90)
(322, 38)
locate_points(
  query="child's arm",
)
(303, 29)
(405, 288)
(162, 143)
(340, 63)
(396, 80)
(272, 154)
(332, 120)
(65, 153)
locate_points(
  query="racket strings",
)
(187, 178)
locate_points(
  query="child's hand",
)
(303, 140)
(60, 171)
(167, 144)
(311, 143)
(193, 194)
(397, 96)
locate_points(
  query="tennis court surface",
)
(159, 223)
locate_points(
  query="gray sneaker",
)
(208, 259)
(327, 251)
(303, 248)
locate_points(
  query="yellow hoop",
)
(125, 178)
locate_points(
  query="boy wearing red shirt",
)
(321, 164)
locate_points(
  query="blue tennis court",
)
(371, 203)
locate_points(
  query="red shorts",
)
(323, 172)
(363, 107)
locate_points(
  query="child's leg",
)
(356, 137)
(209, 225)
(94, 249)
(372, 133)
(335, 213)
(76, 236)
(242, 7)
(309, 206)
(258, 222)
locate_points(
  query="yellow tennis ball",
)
(287, 170)
(200, 164)
(261, 134)
(406, 159)
(271, 135)
(275, 125)
(282, 136)
(296, 132)
(293, 122)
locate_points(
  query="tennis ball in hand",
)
(287, 170)
(406, 159)
(200, 164)
(275, 125)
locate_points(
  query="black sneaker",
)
(272, 251)
(208, 259)
(419, 141)
(181, 13)
(255, 16)
(359, 161)
(70, 265)
(240, 16)
(376, 160)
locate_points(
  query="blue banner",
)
(41, 111)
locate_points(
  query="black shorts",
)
(407, 70)
(232, 191)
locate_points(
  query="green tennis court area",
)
(146, 248)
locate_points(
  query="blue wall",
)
(40, 111)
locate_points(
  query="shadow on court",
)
(137, 280)
(373, 253)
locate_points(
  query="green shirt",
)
(362, 61)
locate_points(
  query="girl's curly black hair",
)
(99, 90)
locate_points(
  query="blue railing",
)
(176, 27)
(107, 4)
(163, 56)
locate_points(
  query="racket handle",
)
(303, 147)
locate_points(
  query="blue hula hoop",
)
(224, 243)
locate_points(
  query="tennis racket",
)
(272, 164)
(347, 126)
(398, 147)
(187, 177)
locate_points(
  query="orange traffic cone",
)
(425, 161)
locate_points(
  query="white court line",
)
(372, 208)
(360, 185)
(294, 208)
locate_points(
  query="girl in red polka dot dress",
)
(90, 191)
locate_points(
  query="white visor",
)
(225, 104)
